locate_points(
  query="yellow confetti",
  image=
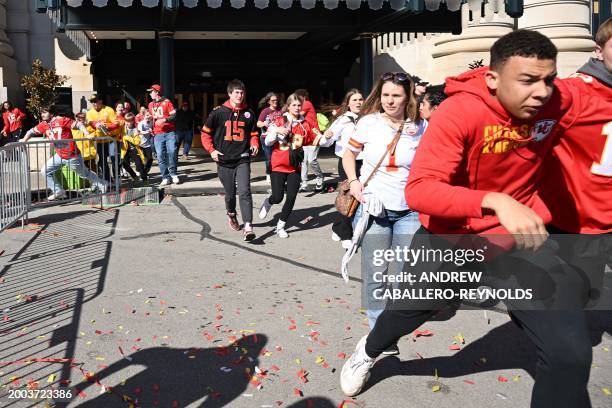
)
(606, 391)
(267, 354)
(147, 301)
(88, 343)
(99, 358)
(92, 321)
(41, 337)
(82, 333)
(435, 388)
(606, 349)
(298, 361)
(120, 327)
(516, 378)
(51, 378)
(319, 360)
(245, 331)
(459, 338)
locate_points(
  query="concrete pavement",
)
(166, 305)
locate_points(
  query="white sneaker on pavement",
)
(346, 243)
(280, 229)
(268, 180)
(356, 370)
(57, 196)
(165, 182)
(303, 186)
(335, 237)
(264, 209)
(249, 235)
(101, 186)
(176, 180)
(319, 183)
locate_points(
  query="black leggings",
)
(561, 337)
(279, 181)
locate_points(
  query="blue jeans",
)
(267, 150)
(184, 137)
(76, 164)
(165, 146)
(393, 230)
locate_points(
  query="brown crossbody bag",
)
(346, 204)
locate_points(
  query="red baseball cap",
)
(155, 87)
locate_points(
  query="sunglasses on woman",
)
(396, 76)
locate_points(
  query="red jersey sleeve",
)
(438, 158)
(41, 128)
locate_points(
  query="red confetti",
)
(454, 347)
(292, 327)
(419, 356)
(302, 376)
(278, 403)
(424, 333)
(502, 379)
(309, 350)
(275, 367)
(342, 356)
(298, 392)
(469, 382)
(155, 387)
(346, 402)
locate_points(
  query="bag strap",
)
(389, 148)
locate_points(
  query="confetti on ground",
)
(469, 382)
(435, 388)
(501, 378)
(501, 396)
(606, 391)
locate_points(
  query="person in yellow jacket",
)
(102, 122)
(131, 150)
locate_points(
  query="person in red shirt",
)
(13, 125)
(476, 172)
(287, 135)
(310, 152)
(164, 137)
(59, 129)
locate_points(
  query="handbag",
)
(346, 204)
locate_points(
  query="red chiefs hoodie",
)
(473, 146)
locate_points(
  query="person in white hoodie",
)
(340, 132)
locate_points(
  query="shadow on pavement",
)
(170, 377)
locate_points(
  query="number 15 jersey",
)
(231, 131)
(577, 178)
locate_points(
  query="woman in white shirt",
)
(340, 132)
(390, 107)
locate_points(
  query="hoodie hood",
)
(240, 107)
(473, 83)
(597, 69)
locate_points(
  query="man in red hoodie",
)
(475, 172)
(231, 138)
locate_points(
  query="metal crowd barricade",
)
(14, 185)
(25, 180)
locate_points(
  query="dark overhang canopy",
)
(514, 8)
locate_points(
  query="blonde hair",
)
(373, 104)
(292, 98)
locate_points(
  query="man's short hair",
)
(49, 108)
(604, 32)
(302, 93)
(522, 43)
(95, 98)
(235, 84)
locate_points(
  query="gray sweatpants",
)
(310, 157)
(241, 175)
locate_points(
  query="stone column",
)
(568, 24)
(366, 63)
(166, 63)
(9, 79)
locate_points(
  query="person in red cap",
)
(164, 136)
(230, 136)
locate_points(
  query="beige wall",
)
(435, 56)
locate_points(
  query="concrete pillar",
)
(366, 64)
(567, 24)
(166, 63)
(9, 80)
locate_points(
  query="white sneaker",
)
(101, 186)
(176, 180)
(264, 209)
(356, 370)
(335, 237)
(248, 233)
(280, 230)
(346, 243)
(57, 196)
(303, 186)
(165, 182)
(319, 183)
(268, 180)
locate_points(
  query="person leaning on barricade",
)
(102, 123)
(59, 128)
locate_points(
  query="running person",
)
(475, 173)
(57, 127)
(287, 135)
(340, 132)
(230, 136)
